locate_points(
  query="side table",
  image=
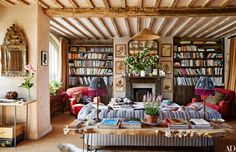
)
(15, 103)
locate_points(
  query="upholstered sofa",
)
(223, 107)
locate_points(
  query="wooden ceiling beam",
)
(157, 3)
(181, 27)
(106, 3)
(208, 3)
(223, 28)
(58, 29)
(87, 29)
(140, 3)
(115, 26)
(96, 28)
(213, 27)
(105, 26)
(43, 4)
(64, 27)
(162, 23)
(172, 26)
(226, 33)
(74, 3)
(151, 23)
(90, 3)
(10, 2)
(138, 25)
(142, 12)
(58, 3)
(174, 3)
(127, 26)
(75, 27)
(124, 3)
(191, 3)
(24, 2)
(224, 3)
(52, 30)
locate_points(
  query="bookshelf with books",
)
(193, 58)
(89, 61)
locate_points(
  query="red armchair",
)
(74, 106)
(223, 106)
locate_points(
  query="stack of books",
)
(132, 123)
(176, 123)
(200, 124)
(110, 123)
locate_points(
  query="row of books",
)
(91, 49)
(189, 81)
(89, 71)
(86, 80)
(89, 56)
(90, 63)
(198, 71)
(193, 48)
(209, 62)
(197, 55)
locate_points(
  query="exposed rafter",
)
(52, 30)
(106, 3)
(229, 25)
(96, 28)
(87, 29)
(123, 3)
(174, 3)
(192, 3)
(75, 27)
(151, 23)
(142, 12)
(157, 3)
(90, 3)
(172, 26)
(45, 5)
(105, 26)
(115, 26)
(24, 2)
(226, 33)
(10, 2)
(138, 24)
(181, 27)
(127, 26)
(140, 3)
(162, 23)
(58, 3)
(74, 3)
(58, 29)
(208, 3)
(64, 27)
(224, 3)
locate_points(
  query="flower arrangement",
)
(29, 75)
(151, 104)
(141, 61)
(54, 86)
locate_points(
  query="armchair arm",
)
(224, 107)
(72, 102)
(196, 100)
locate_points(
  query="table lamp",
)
(97, 88)
(204, 87)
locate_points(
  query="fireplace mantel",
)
(156, 80)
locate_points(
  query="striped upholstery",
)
(89, 111)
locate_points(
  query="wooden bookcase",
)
(193, 58)
(88, 61)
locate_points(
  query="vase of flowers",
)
(140, 61)
(151, 107)
(28, 77)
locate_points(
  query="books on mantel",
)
(134, 123)
(176, 123)
(110, 123)
(200, 124)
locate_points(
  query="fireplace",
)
(139, 92)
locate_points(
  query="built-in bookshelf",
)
(193, 58)
(88, 61)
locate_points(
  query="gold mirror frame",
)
(13, 52)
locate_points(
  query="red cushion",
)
(76, 89)
(76, 108)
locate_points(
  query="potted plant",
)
(151, 107)
(140, 61)
(55, 87)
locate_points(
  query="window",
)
(54, 59)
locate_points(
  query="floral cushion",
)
(215, 99)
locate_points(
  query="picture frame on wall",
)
(119, 84)
(166, 50)
(120, 67)
(167, 66)
(120, 50)
(44, 58)
(167, 85)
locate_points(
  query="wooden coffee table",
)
(219, 130)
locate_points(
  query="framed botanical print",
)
(119, 87)
(167, 66)
(166, 50)
(120, 50)
(167, 85)
(120, 67)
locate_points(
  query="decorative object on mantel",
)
(29, 75)
(151, 107)
(11, 95)
(13, 52)
(139, 62)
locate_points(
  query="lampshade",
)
(146, 35)
(205, 86)
(97, 87)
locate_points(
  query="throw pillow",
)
(215, 99)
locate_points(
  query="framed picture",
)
(167, 85)
(120, 50)
(44, 58)
(166, 50)
(167, 66)
(119, 85)
(120, 67)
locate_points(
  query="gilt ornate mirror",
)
(13, 52)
